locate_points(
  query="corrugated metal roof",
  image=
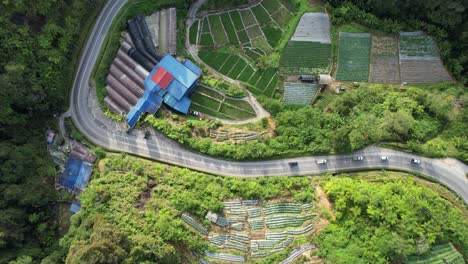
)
(177, 90)
(183, 105)
(194, 68)
(180, 72)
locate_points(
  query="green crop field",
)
(236, 19)
(282, 17)
(246, 74)
(243, 37)
(261, 15)
(217, 30)
(439, 254)
(228, 64)
(205, 26)
(194, 32)
(229, 27)
(237, 69)
(353, 57)
(271, 88)
(417, 45)
(262, 44)
(248, 17)
(206, 39)
(213, 103)
(272, 33)
(301, 57)
(254, 32)
(255, 77)
(289, 5)
(251, 54)
(271, 5)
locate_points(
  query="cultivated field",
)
(419, 59)
(213, 103)
(299, 93)
(309, 50)
(248, 230)
(439, 254)
(385, 66)
(353, 57)
(236, 67)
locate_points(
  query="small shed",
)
(325, 79)
(308, 78)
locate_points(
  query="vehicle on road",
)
(293, 163)
(384, 158)
(358, 158)
(322, 161)
(147, 134)
(415, 161)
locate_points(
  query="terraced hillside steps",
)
(191, 222)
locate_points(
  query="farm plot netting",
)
(302, 57)
(385, 66)
(353, 57)
(299, 93)
(313, 27)
(444, 253)
(419, 59)
(190, 221)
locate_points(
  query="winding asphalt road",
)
(90, 120)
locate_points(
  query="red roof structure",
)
(162, 78)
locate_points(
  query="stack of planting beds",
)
(299, 93)
(236, 67)
(309, 50)
(353, 57)
(191, 222)
(385, 66)
(419, 59)
(296, 253)
(210, 102)
(256, 231)
(256, 29)
(439, 254)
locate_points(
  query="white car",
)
(415, 161)
(384, 158)
(358, 158)
(322, 161)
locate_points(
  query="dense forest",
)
(131, 211)
(386, 219)
(39, 41)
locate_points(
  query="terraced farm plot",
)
(236, 20)
(302, 57)
(261, 15)
(272, 33)
(282, 17)
(419, 59)
(262, 44)
(243, 37)
(439, 254)
(353, 57)
(385, 66)
(229, 64)
(254, 32)
(289, 5)
(229, 28)
(237, 69)
(248, 18)
(299, 93)
(217, 30)
(210, 102)
(271, 5)
(313, 27)
(193, 32)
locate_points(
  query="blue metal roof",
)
(76, 174)
(74, 208)
(177, 90)
(194, 68)
(183, 105)
(180, 72)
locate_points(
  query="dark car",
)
(293, 163)
(147, 134)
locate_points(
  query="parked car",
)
(322, 161)
(384, 158)
(147, 134)
(415, 161)
(293, 163)
(358, 158)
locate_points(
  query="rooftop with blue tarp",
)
(171, 82)
(76, 174)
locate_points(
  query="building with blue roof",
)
(170, 82)
(76, 175)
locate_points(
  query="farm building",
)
(76, 175)
(171, 82)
